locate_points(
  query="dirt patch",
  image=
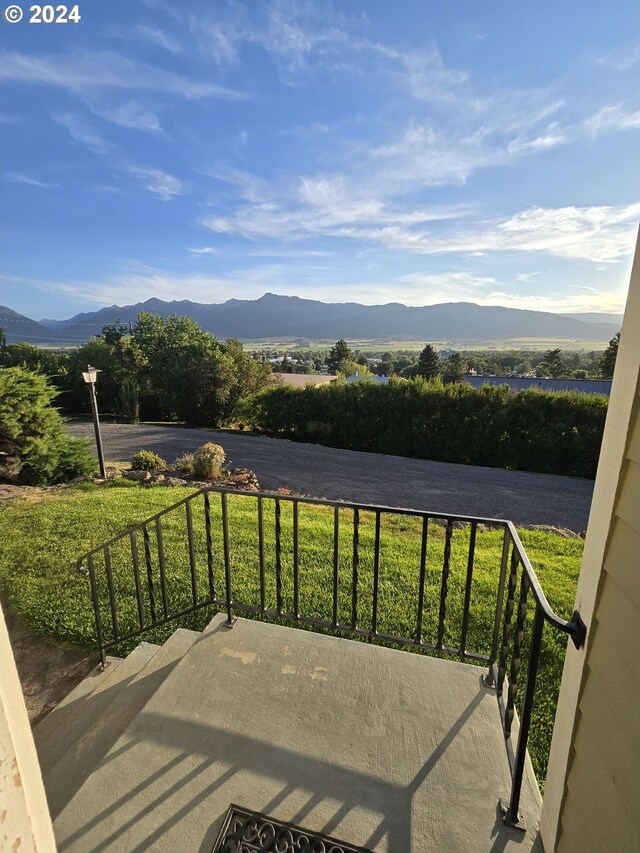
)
(48, 669)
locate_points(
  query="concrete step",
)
(107, 712)
(67, 722)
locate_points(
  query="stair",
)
(78, 733)
(384, 749)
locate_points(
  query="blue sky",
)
(370, 151)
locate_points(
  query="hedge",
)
(547, 432)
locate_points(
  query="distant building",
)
(379, 380)
(301, 380)
(523, 383)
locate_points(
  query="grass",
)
(381, 345)
(42, 539)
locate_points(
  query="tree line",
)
(156, 369)
(451, 365)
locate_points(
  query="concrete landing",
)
(390, 750)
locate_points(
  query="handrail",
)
(149, 564)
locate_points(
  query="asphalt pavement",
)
(350, 475)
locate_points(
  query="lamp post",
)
(90, 375)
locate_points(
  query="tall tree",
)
(454, 368)
(428, 363)
(608, 359)
(339, 352)
(552, 364)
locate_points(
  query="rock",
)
(138, 476)
(158, 478)
(174, 481)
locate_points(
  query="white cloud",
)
(84, 133)
(610, 118)
(599, 234)
(158, 37)
(138, 282)
(159, 183)
(29, 180)
(203, 250)
(86, 73)
(133, 114)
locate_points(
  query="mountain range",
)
(281, 317)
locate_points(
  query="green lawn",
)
(41, 540)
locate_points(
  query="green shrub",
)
(208, 461)
(35, 448)
(549, 432)
(147, 460)
(185, 463)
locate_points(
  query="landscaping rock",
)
(138, 476)
(174, 481)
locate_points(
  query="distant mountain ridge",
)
(273, 316)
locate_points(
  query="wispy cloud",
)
(158, 37)
(612, 117)
(83, 133)
(159, 183)
(86, 73)
(133, 114)
(29, 180)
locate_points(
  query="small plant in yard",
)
(147, 460)
(185, 463)
(208, 461)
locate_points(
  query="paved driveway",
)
(326, 472)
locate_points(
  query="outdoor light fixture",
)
(90, 375)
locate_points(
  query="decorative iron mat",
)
(244, 831)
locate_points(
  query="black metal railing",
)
(141, 580)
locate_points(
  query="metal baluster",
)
(423, 571)
(295, 559)
(467, 591)
(192, 553)
(163, 579)
(376, 572)
(512, 817)
(261, 551)
(136, 575)
(207, 528)
(147, 560)
(444, 589)
(96, 610)
(504, 562)
(355, 565)
(508, 615)
(517, 653)
(231, 619)
(278, 558)
(336, 562)
(112, 597)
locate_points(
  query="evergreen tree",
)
(428, 363)
(552, 364)
(339, 352)
(454, 368)
(608, 359)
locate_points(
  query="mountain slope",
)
(17, 328)
(274, 316)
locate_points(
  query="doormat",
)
(244, 831)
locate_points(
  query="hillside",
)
(273, 316)
(20, 328)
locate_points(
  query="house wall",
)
(25, 825)
(592, 793)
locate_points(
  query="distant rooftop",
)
(523, 383)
